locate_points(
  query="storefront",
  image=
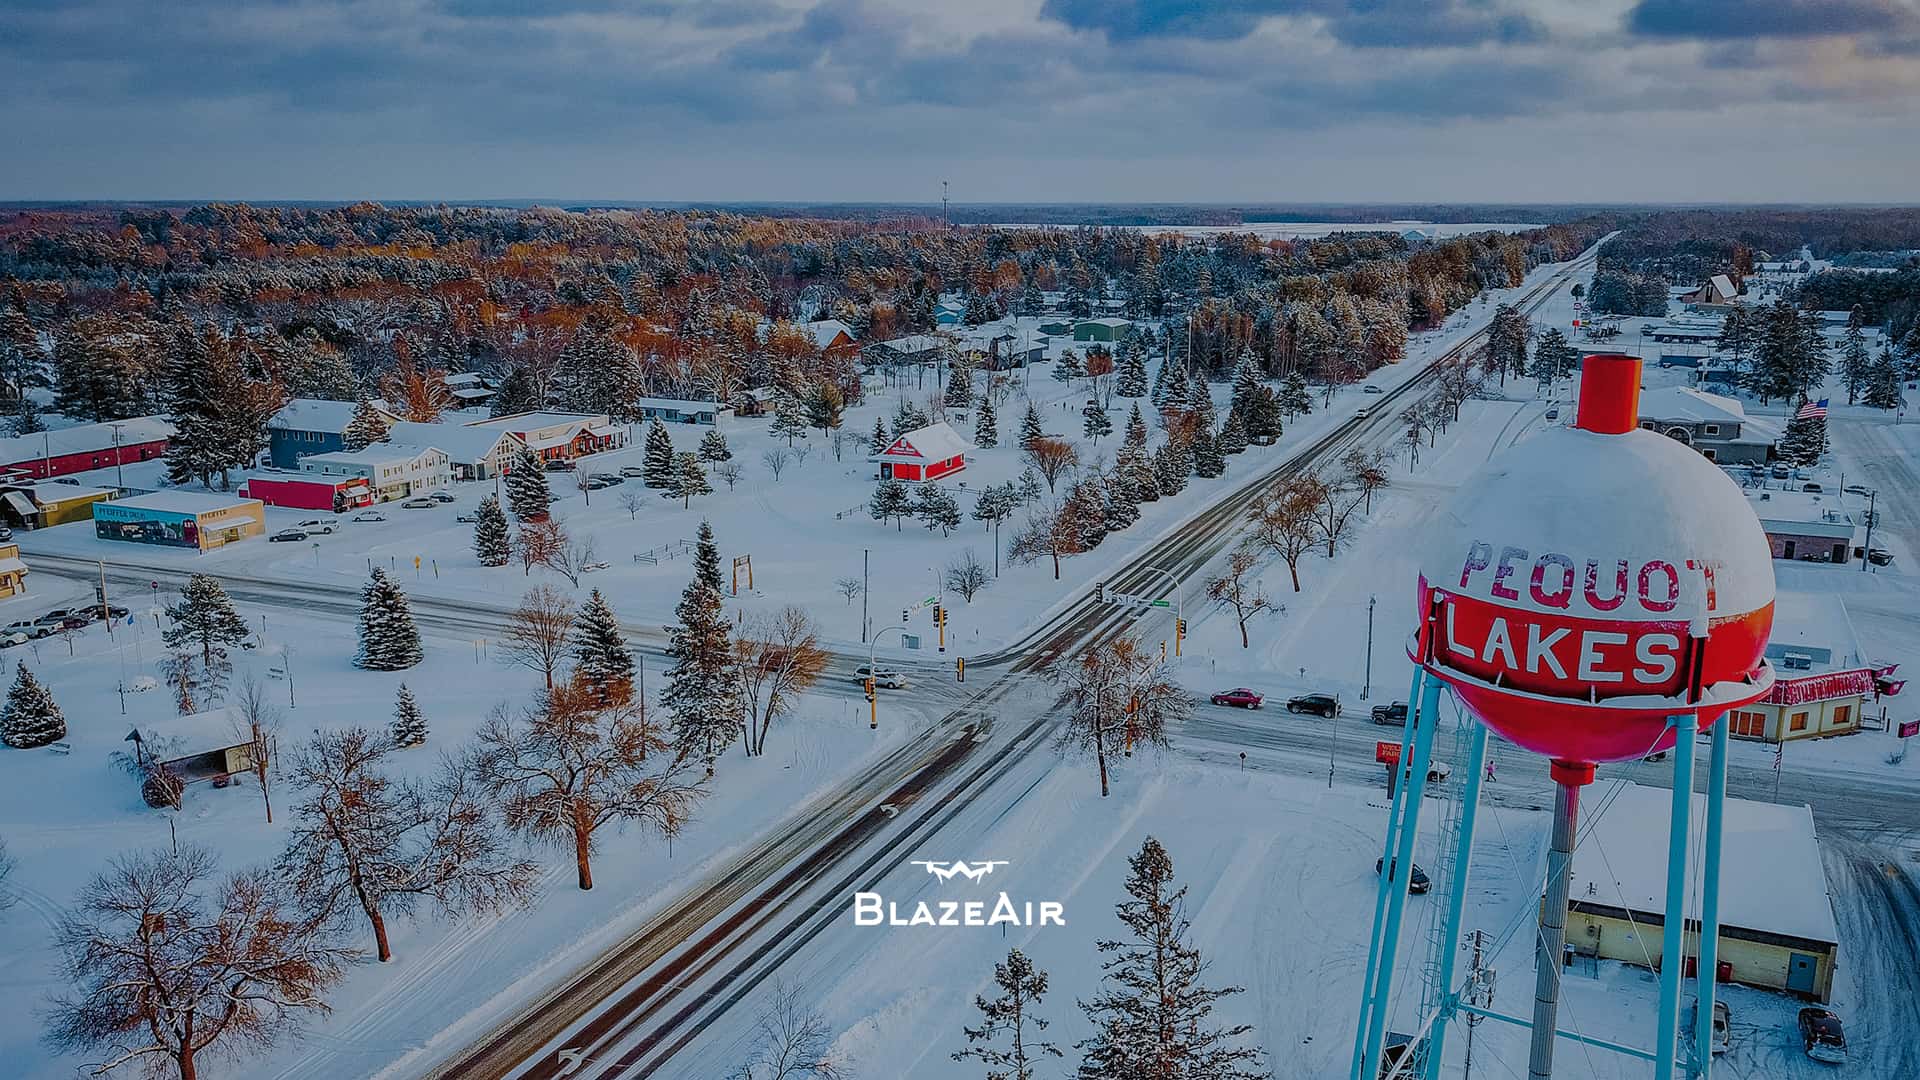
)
(180, 519)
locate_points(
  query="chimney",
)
(1609, 394)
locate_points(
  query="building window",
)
(1711, 429)
(1797, 722)
(1842, 715)
(1748, 723)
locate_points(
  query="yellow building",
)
(1823, 678)
(13, 572)
(1777, 928)
(37, 506)
(180, 519)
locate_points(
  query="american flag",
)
(1812, 410)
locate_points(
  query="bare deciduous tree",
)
(776, 462)
(631, 500)
(1231, 591)
(1051, 458)
(1117, 692)
(729, 473)
(778, 658)
(1285, 519)
(7, 898)
(537, 631)
(1338, 500)
(165, 967)
(1367, 469)
(1049, 530)
(849, 587)
(571, 764)
(257, 720)
(535, 543)
(572, 558)
(364, 840)
(794, 1043)
(967, 575)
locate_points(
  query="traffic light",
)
(939, 614)
(1180, 627)
(1100, 592)
(870, 689)
(906, 616)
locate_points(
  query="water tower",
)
(1591, 594)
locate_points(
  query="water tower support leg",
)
(1381, 892)
(1397, 868)
(1570, 777)
(1708, 973)
(1673, 937)
(1457, 890)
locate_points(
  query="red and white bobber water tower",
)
(1590, 594)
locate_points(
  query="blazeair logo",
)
(873, 909)
(975, 872)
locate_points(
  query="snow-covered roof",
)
(184, 502)
(935, 442)
(826, 331)
(59, 493)
(1684, 404)
(915, 343)
(1771, 876)
(529, 421)
(684, 405)
(83, 439)
(319, 414)
(199, 733)
(1723, 285)
(1816, 626)
(391, 452)
(461, 442)
(1107, 321)
(1805, 512)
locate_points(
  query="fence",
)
(652, 556)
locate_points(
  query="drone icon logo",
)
(973, 872)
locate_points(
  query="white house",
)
(393, 470)
(473, 453)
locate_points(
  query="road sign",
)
(1909, 728)
(1160, 603)
(1386, 753)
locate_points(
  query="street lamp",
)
(873, 684)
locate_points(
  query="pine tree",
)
(908, 418)
(1030, 428)
(1233, 435)
(1029, 488)
(1130, 373)
(409, 727)
(1011, 1015)
(657, 458)
(881, 440)
(823, 407)
(596, 374)
(1097, 421)
(891, 500)
(491, 544)
(527, 492)
(1804, 441)
(204, 619)
(1553, 357)
(26, 418)
(789, 418)
(1136, 466)
(934, 507)
(688, 478)
(366, 427)
(1171, 467)
(1883, 383)
(713, 447)
(602, 660)
(1067, 368)
(1086, 508)
(986, 429)
(1208, 462)
(1856, 363)
(515, 394)
(1136, 436)
(1151, 1014)
(1294, 398)
(1162, 377)
(1119, 503)
(959, 393)
(30, 717)
(388, 639)
(700, 692)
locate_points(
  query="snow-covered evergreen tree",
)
(1883, 383)
(1136, 436)
(1233, 435)
(1011, 1015)
(789, 418)
(880, 440)
(409, 727)
(959, 393)
(491, 543)
(1247, 383)
(907, 418)
(986, 428)
(891, 501)
(1856, 362)
(1804, 441)
(1295, 400)
(656, 464)
(701, 688)
(1068, 367)
(688, 478)
(1030, 428)
(515, 394)
(1208, 462)
(1162, 378)
(600, 654)
(596, 374)
(713, 447)
(1135, 465)
(1121, 505)
(30, 717)
(1151, 1015)
(1086, 508)
(26, 417)
(1029, 488)
(1171, 467)
(204, 620)
(527, 492)
(388, 639)
(936, 508)
(1097, 422)
(1130, 370)
(366, 427)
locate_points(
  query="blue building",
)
(308, 426)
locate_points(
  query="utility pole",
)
(866, 565)
(946, 214)
(1366, 684)
(1866, 553)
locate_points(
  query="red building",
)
(89, 446)
(309, 492)
(928, 453)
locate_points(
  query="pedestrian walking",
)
(1490, 776)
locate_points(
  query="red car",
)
(1239, 697)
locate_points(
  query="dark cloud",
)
(1733, 19)
(1365, 23)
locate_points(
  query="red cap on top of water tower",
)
(1609, 394)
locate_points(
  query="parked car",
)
(287, 535)
(560, 465)
(1553, 414)
(80, 615)
(10, 638)
(608, 478)
(1812, 486)
(324, 526)
(441, 496)
(890, 680)
(1822, 1036)
(594, 483)
(66, 480)
(1858, 489)
(468, 517)
(1880, 556)
(55, 624)
(369, 515)
(1722, 1036)
(1417, 882)
(28, 627)
(1239, 697)
(114, 611)
(418, 502)
(632, 472)
(1395, 714)
(1327, 705)
(1371, 389)
(1781, 472)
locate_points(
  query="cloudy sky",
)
(1009, 100)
